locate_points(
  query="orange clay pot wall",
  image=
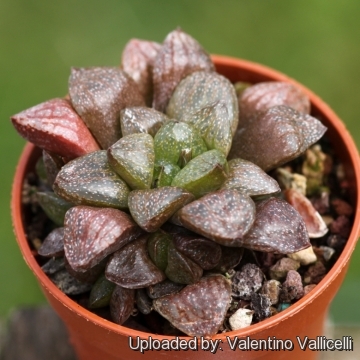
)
(96, 338)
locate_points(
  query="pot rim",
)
(252, 329)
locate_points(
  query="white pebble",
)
(241, 319)
(305, 257)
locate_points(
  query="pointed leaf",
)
(203, 174)
(91, 234)
(121, 304)
(180, 268)
(131, 267)
(98, 94)
(179, 56)
(275, 137)
(248, 178)
(55, 126)
(152, 208)
(133, 157)
(137, 61)
(202, 251)
(157, 247)
(198, 309)
(224, 216)
(89, 180)
(173, 139)
(101, 292)
(164, 173)
(53, 244)
(139, 119)
(163, 288)
(315, 225)
(202, 90)
(278, 227)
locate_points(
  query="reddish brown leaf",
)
(91, 234)
(137, 61)
(179, 56)
(122, 304)
(198, 309)
(131, 267)
(53, 244)
(98, 94)
(278, 227)
(54, 126)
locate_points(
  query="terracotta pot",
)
(96, 338)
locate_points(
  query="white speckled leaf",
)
(224, 216)
(278, 228)
(275, 137)
(248, 178)
(179, 56)
(198, 309)
(98, 94)
(132, 268)
(152, 208)
(91, 234)
(140, 119)
(203, 174)
(174, 139)
(202, 90)
(133, 158)
(89, 180)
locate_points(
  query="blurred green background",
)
(317, 42)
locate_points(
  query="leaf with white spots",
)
(137, 60)
(98, 94)
(91, 234)
(248, 178)
(177, 143)
(278, 228)
(54, 126)
(203, 174)
(276, 136)
(198, 309)
(89, 180)
(152, 208)
(179, 56)
(224, 216)
(133, 158)
(200, 91)
(132, 268)
(140, 119)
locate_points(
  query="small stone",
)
(261, 305)
(336, 241)
(315, 273)
(241, 319)
(289, 180)
(309, 288)
(321, 202)
(341, 226)
(53, 244)
(326, 252)
(341, 207)
(247, 281)
(305, 257)
(292, 288)
(282, 267)
(283, 306)
(272, 288)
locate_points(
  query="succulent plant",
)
(146, 209)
